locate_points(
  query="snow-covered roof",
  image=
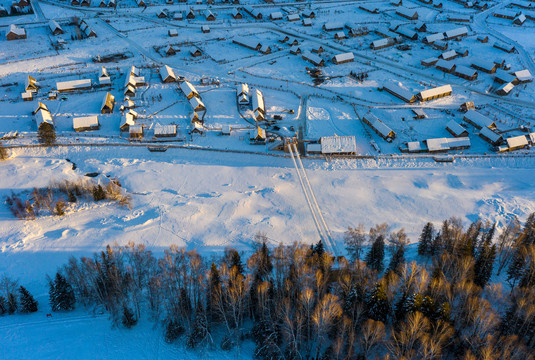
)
(73, 85)
(338, 145)
(16, 30)
(455, 128)
(127, 120)
(344, 57)
(242, 89)
(443, 64)
(504, 46)
(313, 58)
(109, 101)
(506, 88)
(523, 75)
(449, 54)
(250, 43)
(340, 35)
(517, 141)
(135, 129)
(444, 144)
(208, 13)
(332, 25)
(43, 116)
(456, 32)
(466, 71)
(383, 42)
(293, 17)
(490, 135)
(410, 13)
(436, 91)
(196, 104)
(419, 112)
(484, 64)
(277, 15)
(504, 76)
(188, 89)
(398, 91)
(258, 101)
(377, 124)
(53, 25)
(478, 120)
(167, 72)
(162, 130)
(85, 122)
(416, 146)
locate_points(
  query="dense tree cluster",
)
(301, 302)
(15, 298)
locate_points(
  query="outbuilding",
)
(15, 33)
(55, 28)
(338, 145)
(379, 127)
(107, 104)
(517, 142)
(313, 58)
(135, 131)
(343, 58)
(167, 74)
(162, 131)
(410, 14)
(85, 123)
(399, 92)
(478, 120)
(455, 129)
(490, 136)
(435, 93)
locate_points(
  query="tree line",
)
(300, 302)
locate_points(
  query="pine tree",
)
(376, 256)
(173, 330)
(319, 249)
(378, 306)
(46, 134)
(27, 302)
(437, 245)
(61, 294)
(71, 196)
(484, 264)
(235, 260)
(128, 319)
(199, 330)
(397, 261)
(426, 239)
(3, 305)
(12, 305)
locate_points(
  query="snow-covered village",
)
(267, 179)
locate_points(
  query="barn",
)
(478, 120)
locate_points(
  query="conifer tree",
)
(319, 249)
(128, 319)
(27, 302)
(46, 134)
(484, 264)
(397, 261)
(3, 305)
(378, 306)
(426, 239)
(235, 260)
(61, 294)
(173, 330)
(376, 256)
(12, 305)
(199, 330)
(99, 193)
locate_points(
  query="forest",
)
(300, 302)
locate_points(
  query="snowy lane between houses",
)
(209, 200)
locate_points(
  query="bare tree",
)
(372, 334)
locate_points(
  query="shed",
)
(307, 22)
(225, 130)
(343, 58)
(209, 15)
(172, 32)
(236, 13)
(455, 129)
(465, 72)
(14, 32)
(445, 66)
(257, 136)
(277, 15)
(85, 123)
(295, 50)
(448, 55)
(520, 19)
(197, 104)
(483, 39)
(456, 33)
(410, 14)
(505, 89)
(258, 102)
(313, 58)
(43, 118)
(383, 43)
(484, 65)
(429, 39)
(294, 17)
(135, 131)
(340, 35)
(523, 76)
(169, 51)
(190, 14)
(333, 26)
(309, 14)
(419, 113)
(31, 84)
(55, 28)
(469, 105)
(504, 47)
(429, 62)
(195, 52)
(504, 77)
